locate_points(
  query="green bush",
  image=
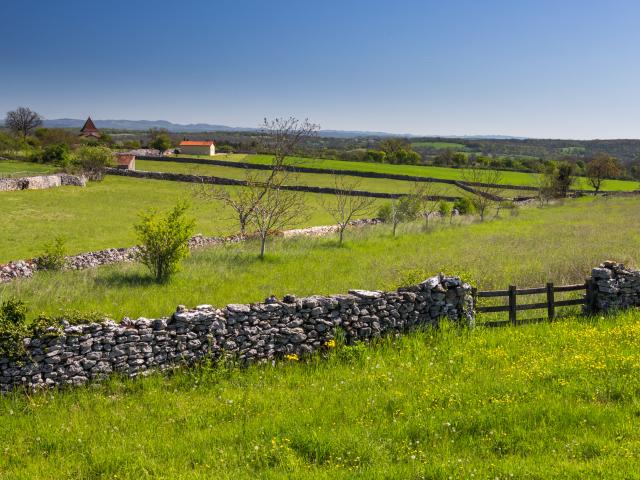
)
(53, 257)
(13, 314)
(57, 154)
(464, 206)
(444, 208)
(92, 160)
(164, 240)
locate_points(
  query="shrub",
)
(464, 206)
(444, 208)
(164, 240)
(13, 311)
(57, 154)
(53, 257)
(13, 314)
(92, 160)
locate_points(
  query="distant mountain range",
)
(207, 127)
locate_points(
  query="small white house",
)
(198, 148)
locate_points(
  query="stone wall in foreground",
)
(614, 287)
(74, 355)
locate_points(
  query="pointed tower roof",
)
(89, 129)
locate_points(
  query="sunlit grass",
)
(541, 401)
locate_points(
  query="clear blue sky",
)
(540, 68)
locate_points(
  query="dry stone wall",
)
(613, 287)
(26, 268)
(76, 354)
(41, 182)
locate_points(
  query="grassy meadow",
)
(102, 214)
(11, 168)
(542, 401)
(308, 179)
(508, 178)
(559, 244)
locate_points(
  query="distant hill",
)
(196, 127)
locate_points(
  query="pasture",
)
(447, 173)
(102, 214)
(559, 244)
(439, 145)
(11, 168)
(309, 179)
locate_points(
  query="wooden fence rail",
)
(513, 292)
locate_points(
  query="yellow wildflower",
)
(330, 344)
(292, 357)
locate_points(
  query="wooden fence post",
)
(551, 307)
(512, 304)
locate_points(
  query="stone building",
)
(190, 147)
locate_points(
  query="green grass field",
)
(11, 168)
(311, 179)
(508, 178)
(541, 401)
(439, 145)
(102, 214)
(559, 244)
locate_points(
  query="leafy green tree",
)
(600, 167)
(160, 140)
(164, 240)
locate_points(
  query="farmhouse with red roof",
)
(198, 148)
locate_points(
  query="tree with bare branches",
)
(241, 200)
(425, 199)
(485, 184)
(276, 210)
(22, 121)
(281, 137)
(346, 204)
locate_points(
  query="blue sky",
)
(539, 68)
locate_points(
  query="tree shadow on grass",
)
(120, 279)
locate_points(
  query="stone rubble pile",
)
(615, 287)
(244, 333)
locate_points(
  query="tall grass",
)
(559, 244)
(543, 401)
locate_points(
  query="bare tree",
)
(426, 201)
(282, 137)
(276, 210)
(241, 200)
(485, 184)
(345, 204)
(22, 121)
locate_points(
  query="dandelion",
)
(330, 343)
(292, 357)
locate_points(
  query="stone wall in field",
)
(74, 355)
(27, 268)
(211, 180)
(41, 182)
(613, 287)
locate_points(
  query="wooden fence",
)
(549, 305)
